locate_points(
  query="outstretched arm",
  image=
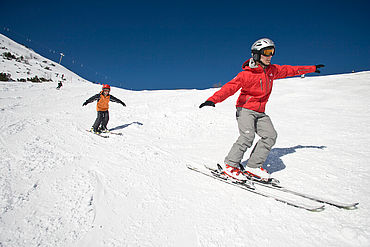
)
(288, 70)
(114, 99)
(91, 99)
(226, 91)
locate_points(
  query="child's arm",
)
(91, 99)
(114, 99)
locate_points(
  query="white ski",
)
(310, 207)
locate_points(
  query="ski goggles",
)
(268, 52)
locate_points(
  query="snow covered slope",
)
(63, 186)
(24, 63)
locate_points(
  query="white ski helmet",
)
(259, 45)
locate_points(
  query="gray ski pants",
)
(249, 123)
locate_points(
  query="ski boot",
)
(237, 176)
(260, 175)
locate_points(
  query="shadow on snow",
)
(274, 162)
(124, 126)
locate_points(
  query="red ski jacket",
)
(256, 84)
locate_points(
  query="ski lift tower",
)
(61, 56)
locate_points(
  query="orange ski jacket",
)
(103, 101)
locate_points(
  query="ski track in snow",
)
(63, 186)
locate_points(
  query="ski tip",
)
(352, 206)
(317, 209)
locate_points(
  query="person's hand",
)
(207, 103)
(85, 103)
(319, 66)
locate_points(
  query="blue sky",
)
(188, 44)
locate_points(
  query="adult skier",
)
(255, 82)
(102, 106)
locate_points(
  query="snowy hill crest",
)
(19, 63)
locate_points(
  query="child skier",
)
(102, 107)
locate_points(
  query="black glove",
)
(85, 103)
(319, 66)
(123, 104)
(207, 103)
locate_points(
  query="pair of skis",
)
(104, 135)
(317, 207)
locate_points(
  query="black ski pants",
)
(102, 119)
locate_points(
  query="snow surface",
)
(31, 64)
(63, 186)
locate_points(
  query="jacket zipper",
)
(267, 79)
(261, 85)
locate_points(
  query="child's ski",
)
(98, 134)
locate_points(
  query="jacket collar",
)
(251, 65)
(101, 93)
